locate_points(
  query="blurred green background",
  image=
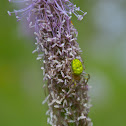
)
(102, 37)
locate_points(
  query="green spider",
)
(77, 69)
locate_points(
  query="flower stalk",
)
(63, 68)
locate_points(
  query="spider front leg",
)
(86, 77)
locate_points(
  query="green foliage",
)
(21, 91)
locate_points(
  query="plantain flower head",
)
(63, 69)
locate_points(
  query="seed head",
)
(57, 48)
